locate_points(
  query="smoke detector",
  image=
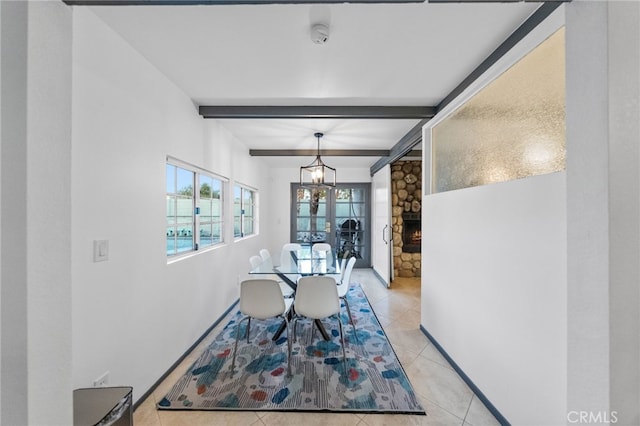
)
(319, 33)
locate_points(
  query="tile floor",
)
(445, 397)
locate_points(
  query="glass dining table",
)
(303, 262)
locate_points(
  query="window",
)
(511, 129)
(244, 207)
(210, 211)
(194, 218)
(180, 210)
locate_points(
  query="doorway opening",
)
(406, 208)
(339, 216)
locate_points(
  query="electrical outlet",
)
(101, 381)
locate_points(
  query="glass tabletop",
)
(303, 262)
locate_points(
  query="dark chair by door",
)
(349, 236)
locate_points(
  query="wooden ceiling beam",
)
(323, 152)
(306, 111)
(217, 2)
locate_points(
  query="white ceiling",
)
(377, 54)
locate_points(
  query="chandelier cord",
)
(318, 135)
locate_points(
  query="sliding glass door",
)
(340, 217)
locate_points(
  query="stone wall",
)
(406, 196)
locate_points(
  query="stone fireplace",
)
(406, 205)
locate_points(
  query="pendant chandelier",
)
(318, 174)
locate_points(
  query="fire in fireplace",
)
(411, 233)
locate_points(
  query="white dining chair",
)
(286, 260)
(285, 254)
(265, 255)
(256, 261)
(262, 299)
(343, 288)
(317, 299)
(321, 247)
(323, 250)
(343, 264)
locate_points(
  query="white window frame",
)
(241, 218)
(197, 172)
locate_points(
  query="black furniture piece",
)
(349, 236)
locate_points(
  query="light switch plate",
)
(100, 250)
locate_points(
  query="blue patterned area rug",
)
(374, 382)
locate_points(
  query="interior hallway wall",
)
(624, 207)
(603, 187)
(35, 193)
(602, 213)
(494, 281)
(135, 314)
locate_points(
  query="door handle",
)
(384, 229)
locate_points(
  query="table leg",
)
(293, 285)
(282, 327)
(278, 332)
(325, 336)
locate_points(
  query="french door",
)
(340, 217)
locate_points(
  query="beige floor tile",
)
(400, 284)
(436, 416)
(440, 385)
(383, 307)
(208, 418)
(479, 415)
(146, 414)
(309, 419)
(374, 290)
(261, 414)
(394, 420)
(405, 356)
(410, 320)
(384, 321)
(433, 354)
(411, 339)
(376, 294)
(413, 301)
(392, 307)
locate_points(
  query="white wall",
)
(135, 315)
(1, 138)
(36, 213)
(14, 224)
(588, 207)
(624, 207)
(603, 185)
(494, 291)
